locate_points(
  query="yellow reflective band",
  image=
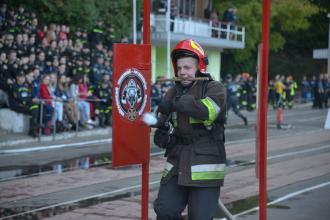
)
(208, 176)
(213, 110)
(175, 119)
(22, 89)
(195, 121)
(97, 30)
(167, 169)
(208, 171)
(34, 107)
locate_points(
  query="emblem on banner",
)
(130, 93)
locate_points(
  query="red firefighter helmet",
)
(189, 48)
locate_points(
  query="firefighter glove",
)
(162, 137)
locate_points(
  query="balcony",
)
(224, 36)
(320, 53)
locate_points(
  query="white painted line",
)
(109, 140)
(288, 196)
(273, 137)
(284, 155)
(299, 152)
(121, 190)
(311, 119)
(56, 146)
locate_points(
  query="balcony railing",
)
(200, 28)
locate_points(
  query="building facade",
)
(190, 19)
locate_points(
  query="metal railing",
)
(202, 28)
(42, 102)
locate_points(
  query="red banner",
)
(131, 99)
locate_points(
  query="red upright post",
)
(263, 104)
(145, 166)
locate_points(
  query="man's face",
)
(41, 56)
(20, 79)
(3, 56)
(100, 60)
(53, 78)
(186, 69)
(36, 73)
(106, 78)
(12, 56)
(62, 68)
(29, 77)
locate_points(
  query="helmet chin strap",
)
(199, 74)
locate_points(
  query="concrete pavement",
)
(295, 156)
(71, 192)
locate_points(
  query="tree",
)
(82, 13)
(286, 17)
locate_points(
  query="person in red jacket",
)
(47, 104)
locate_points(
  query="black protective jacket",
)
(196, 152)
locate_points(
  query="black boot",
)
(34, 128)
(109, 120)
(34, 132)
(245, 121)
(102, 120)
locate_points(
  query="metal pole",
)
(329, 48)
(226, 211)
(134, 21)
(145, 166)
(146, 22)
(40, 120)
(168, 27)
(54, 120)
(262, 131)
(257, 165)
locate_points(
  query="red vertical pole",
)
(263, 104)
(145, 166)
(145, 191)
(146, 22)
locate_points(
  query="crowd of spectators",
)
(316, 90)
(158, 90)
(229, 20)
(67, 74)
(245, 90)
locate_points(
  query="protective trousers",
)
(173, 198)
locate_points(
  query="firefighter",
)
(21, 101)
(290, 88)
(279, 92)
(232, 97)
(271, 93)
(246, 91)
(104, 106)
(191, 129)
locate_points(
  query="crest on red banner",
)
(131, 95)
